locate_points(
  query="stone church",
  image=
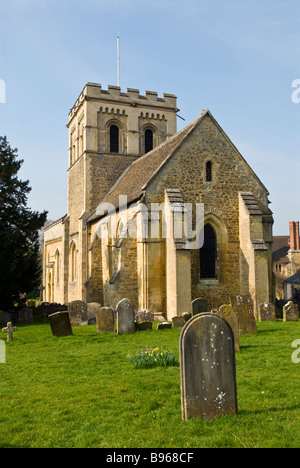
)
(126, 157)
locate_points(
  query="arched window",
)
(114, 138)
(57, 266)
(208, 254)
(208, 171)
(148, 140)
(73, 255)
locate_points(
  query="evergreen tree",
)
(20, 270)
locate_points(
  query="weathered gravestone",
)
(92, 310)
(144, 316)
(25, 316)
(290, 312)
(178, 321)
(60, 324)
(9, 329)
(266, 312)
(243, 308)
(226, 312)
(78, 313)
(125, 317)
(105, 320)
(207, 368)
(199, 306)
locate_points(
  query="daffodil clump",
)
(152, 357)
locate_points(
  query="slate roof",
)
(281, 246)
(295, 279)
(140, 173)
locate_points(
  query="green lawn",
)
(82, 391)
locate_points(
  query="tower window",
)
(208, 253)
(208, 171)
(114, 139)
(148, 140)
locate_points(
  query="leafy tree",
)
(20, 270)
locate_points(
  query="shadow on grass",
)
(269, 410)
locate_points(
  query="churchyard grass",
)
(82, 391)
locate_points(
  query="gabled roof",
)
(134, 181)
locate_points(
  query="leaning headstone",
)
(164, 325)
(207, 368)
(243, 307)
(92, 310)
(226, 312)
(291, 312)
(78, 313)
(60, 324)
(178, 321)
(266, 312)
(125, 317)
(199, 306)
(25, 316)
(105, 320)
(9, 329)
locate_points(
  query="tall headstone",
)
(125, 317)
(199, 306)
(290, 312)
(92, 310)
(243, 307)
(226, 312)
(207, 368)
(60, 324)
(266, 312)
(78, 313)
(105, 320)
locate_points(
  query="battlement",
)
(132, 98)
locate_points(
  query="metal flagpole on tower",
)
(118, 53)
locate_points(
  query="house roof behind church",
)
(281, 246)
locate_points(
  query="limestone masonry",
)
(125, 144)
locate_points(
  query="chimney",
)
(294, 235)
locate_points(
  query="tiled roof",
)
(281, 247)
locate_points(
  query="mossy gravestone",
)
(244, 309)
(207, 368)
(105, 320)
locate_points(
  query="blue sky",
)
(237, 58)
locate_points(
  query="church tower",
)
(108, 130)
